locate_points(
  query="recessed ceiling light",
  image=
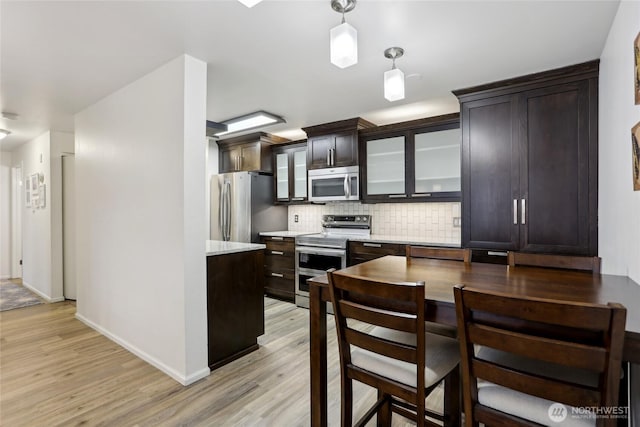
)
(4, 133)
(250, 121)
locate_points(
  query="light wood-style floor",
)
(56, 371)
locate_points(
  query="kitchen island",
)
(235, 304)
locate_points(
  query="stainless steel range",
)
(317, 253)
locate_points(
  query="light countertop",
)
(402, 240)
(285, 233)
(218, 247)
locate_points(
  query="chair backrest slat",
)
(374, 344)
(569, 262)
(453, 254)
(403, 292)
(575, 315)
(586, 337)
(550, 350)
(554, 390)
(374, 316)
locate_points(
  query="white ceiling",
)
(57, 58)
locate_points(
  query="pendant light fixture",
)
(249, 3)
(394, 78)
(344, 38)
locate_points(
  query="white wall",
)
(619, 205)
(5, 214)
(141, 218)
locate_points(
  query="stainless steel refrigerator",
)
(242, 206)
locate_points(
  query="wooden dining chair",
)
(454, 254)
(533, 361)
(586, 263)
(396, 356)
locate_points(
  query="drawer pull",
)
(277, 275)
(495, 253)
(277, 238)
(277, 253)
(372, 245)
(297, 199)
(397, 196)
(421, 195)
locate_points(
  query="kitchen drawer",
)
(282, 244)
(279, 260)
(280, 283)
(375, 248)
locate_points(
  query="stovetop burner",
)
(336, 230)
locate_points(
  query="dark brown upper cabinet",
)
(250, 152)
(530, 162)
(413, 161)
(290, 172)
(334, 144)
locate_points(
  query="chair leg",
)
(452, 398)
(346, 404)
(384, 413)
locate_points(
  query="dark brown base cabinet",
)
(279, 267)
(366, 251)
(529, 162)
(235, 305)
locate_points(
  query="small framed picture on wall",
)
(636, 71)
(27, 194)
(33, 188)
(635, 156)
(42, 196)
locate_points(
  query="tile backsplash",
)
(428, 221)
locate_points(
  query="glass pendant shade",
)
(394, 85)
(249, 3)
(344, 45)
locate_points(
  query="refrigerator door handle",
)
(221, 211)
(227, 231)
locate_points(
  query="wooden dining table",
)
(440, 276)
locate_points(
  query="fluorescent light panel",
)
(250, 121)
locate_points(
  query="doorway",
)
(16, 222)
(68, 227)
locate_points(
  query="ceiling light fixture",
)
(394, 78)
(249, 3)
(250, 121)
(344, 38)
(4, 133)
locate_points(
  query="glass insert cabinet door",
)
(386, 166)
(300, 174)
(282, 176)
(437, 161)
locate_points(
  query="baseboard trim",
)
(5, 277)
(184, 380)
(47, 298)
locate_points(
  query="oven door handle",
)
(321, 251)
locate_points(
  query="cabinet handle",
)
(524, 209)
(515, 211)
(277, 275)
(277, 253)
(397, 196)
(277, 238)
(297, 199)
(421, 195)
(372, 245)
(495, 253)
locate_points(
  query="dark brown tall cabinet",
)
(529, 162)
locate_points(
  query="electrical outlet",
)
(456, 221)
(295, 218)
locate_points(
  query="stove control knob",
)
(329, 218)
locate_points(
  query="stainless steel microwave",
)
(334, 184)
